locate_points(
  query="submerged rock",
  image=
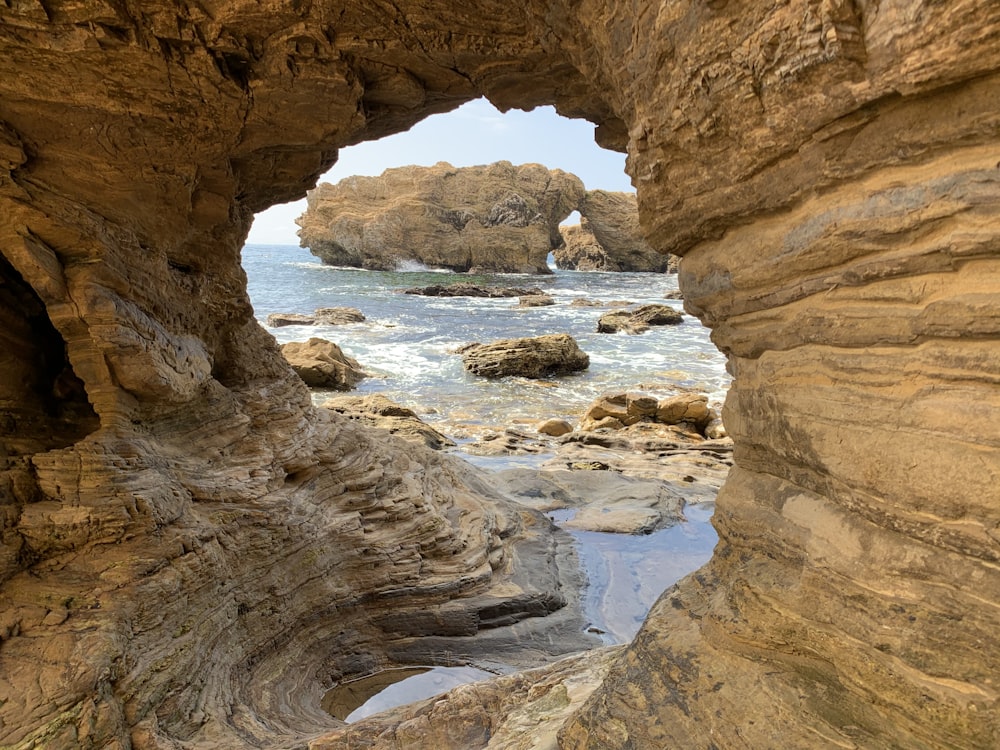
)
(538, 357)
(536, 300)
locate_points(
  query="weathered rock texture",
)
(536, 357)
(376, 410)
(497, 217)
(323, 364)
(638, 320)
(190, 550)
(609, 238)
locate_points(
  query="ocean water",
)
(406, 341)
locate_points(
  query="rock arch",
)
(826, 167)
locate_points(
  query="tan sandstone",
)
(190, 552)
(497, 217)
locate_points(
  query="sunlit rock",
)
(191, 553)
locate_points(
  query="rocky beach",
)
(630, 479)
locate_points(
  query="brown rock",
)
(322, 364)
(331, 316)
(583, 302)
(465, 289)
(338, 316)
(499, 217)
(554, 427)
(686, 407)
(536, 300)
(376, 410)
(638, 320)
(609, 238)
(539, 357)
(276, 320)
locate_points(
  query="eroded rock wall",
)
(609, 237)
(493, 218)
(177, 519)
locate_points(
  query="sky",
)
(475, 133)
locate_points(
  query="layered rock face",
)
(191, 552)
(609, 238)
(492, 218)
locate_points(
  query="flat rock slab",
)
(464, 289)
(606, 500)
(638, 320)
(330, 316)
(538, 357)
(378, 411)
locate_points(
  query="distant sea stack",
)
(609, 238)
(493, 218)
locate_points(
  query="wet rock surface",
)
(639, 320)
(331, 316)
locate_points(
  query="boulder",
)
(620, 410)
(584, 302)
(338, 316)
(554, 427)
(379, 411)
(277, 320)
(331, 316)
(538, 357)
(687, 407)
(536, 300)
(322, 364)
(493, 218)
(638, 320)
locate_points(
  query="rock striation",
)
(638, 320)
(535, 357)
(498, 217)
(190, 552)
(609, 238)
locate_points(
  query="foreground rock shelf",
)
(191, 553)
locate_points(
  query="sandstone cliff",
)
(609, 238)
(190, 552)
(497, 217)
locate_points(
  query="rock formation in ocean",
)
(190, 552)
(609, 238)
(498, 217)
